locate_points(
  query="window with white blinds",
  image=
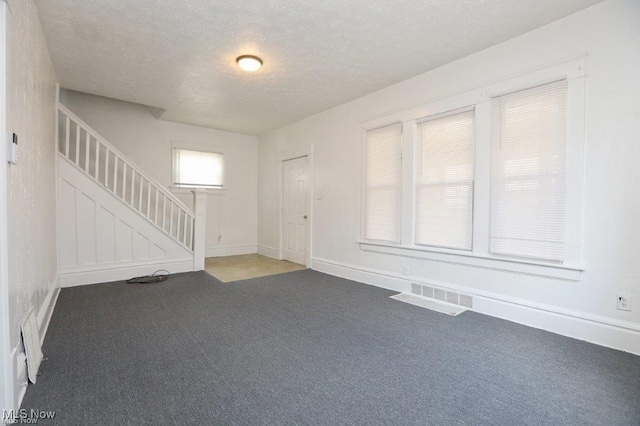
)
(197, 169)
(528, 172)
(383, 183)
(444, 181)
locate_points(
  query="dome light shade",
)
(249, 63)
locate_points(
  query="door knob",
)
(305, 216)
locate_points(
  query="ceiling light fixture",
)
(249, 62)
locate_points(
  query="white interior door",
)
(295, 210)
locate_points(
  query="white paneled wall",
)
(103, 239)
(94, 235)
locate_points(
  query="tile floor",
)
(234, 268)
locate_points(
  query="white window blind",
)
(198, 168)
(528, 173)
(444, 181)
(383, 183)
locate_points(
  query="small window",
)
(383, 183)
(198, 169)
(528, 167)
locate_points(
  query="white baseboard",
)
(122, 272)
(363, 275)
(230, 251)
(46, 310)
(602, 331)
(18, 355)
(267, 251)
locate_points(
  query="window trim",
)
(418, 122)
(364, 187)
(179, 189)
(522, 177)
(573, 70)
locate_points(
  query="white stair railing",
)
(98, 159)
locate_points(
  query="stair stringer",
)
(101, 238)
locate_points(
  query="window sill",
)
(517, 266)
(187, 190)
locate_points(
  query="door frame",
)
(7, 380)
(292, 154)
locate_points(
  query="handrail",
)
(115, 150)
(179, 227)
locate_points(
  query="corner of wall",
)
(268, 251)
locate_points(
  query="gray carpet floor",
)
(309, 348)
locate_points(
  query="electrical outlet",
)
(624, 301)
(405, 270)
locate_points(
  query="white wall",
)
(6, 363)
(610, 34)
(31, 95)
(232, 217)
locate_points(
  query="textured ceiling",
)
(179, 55)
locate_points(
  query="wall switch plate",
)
(12, 148)
(405, 270)
(624, 302)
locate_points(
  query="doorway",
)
(295, 209)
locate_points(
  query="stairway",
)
(114, 221)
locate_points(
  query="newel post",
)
(200, 212)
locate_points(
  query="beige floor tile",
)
(234, 268)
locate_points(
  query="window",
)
(528, 172)
(444, 181)
(383, 183)
(490, 177)
(198, 169)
